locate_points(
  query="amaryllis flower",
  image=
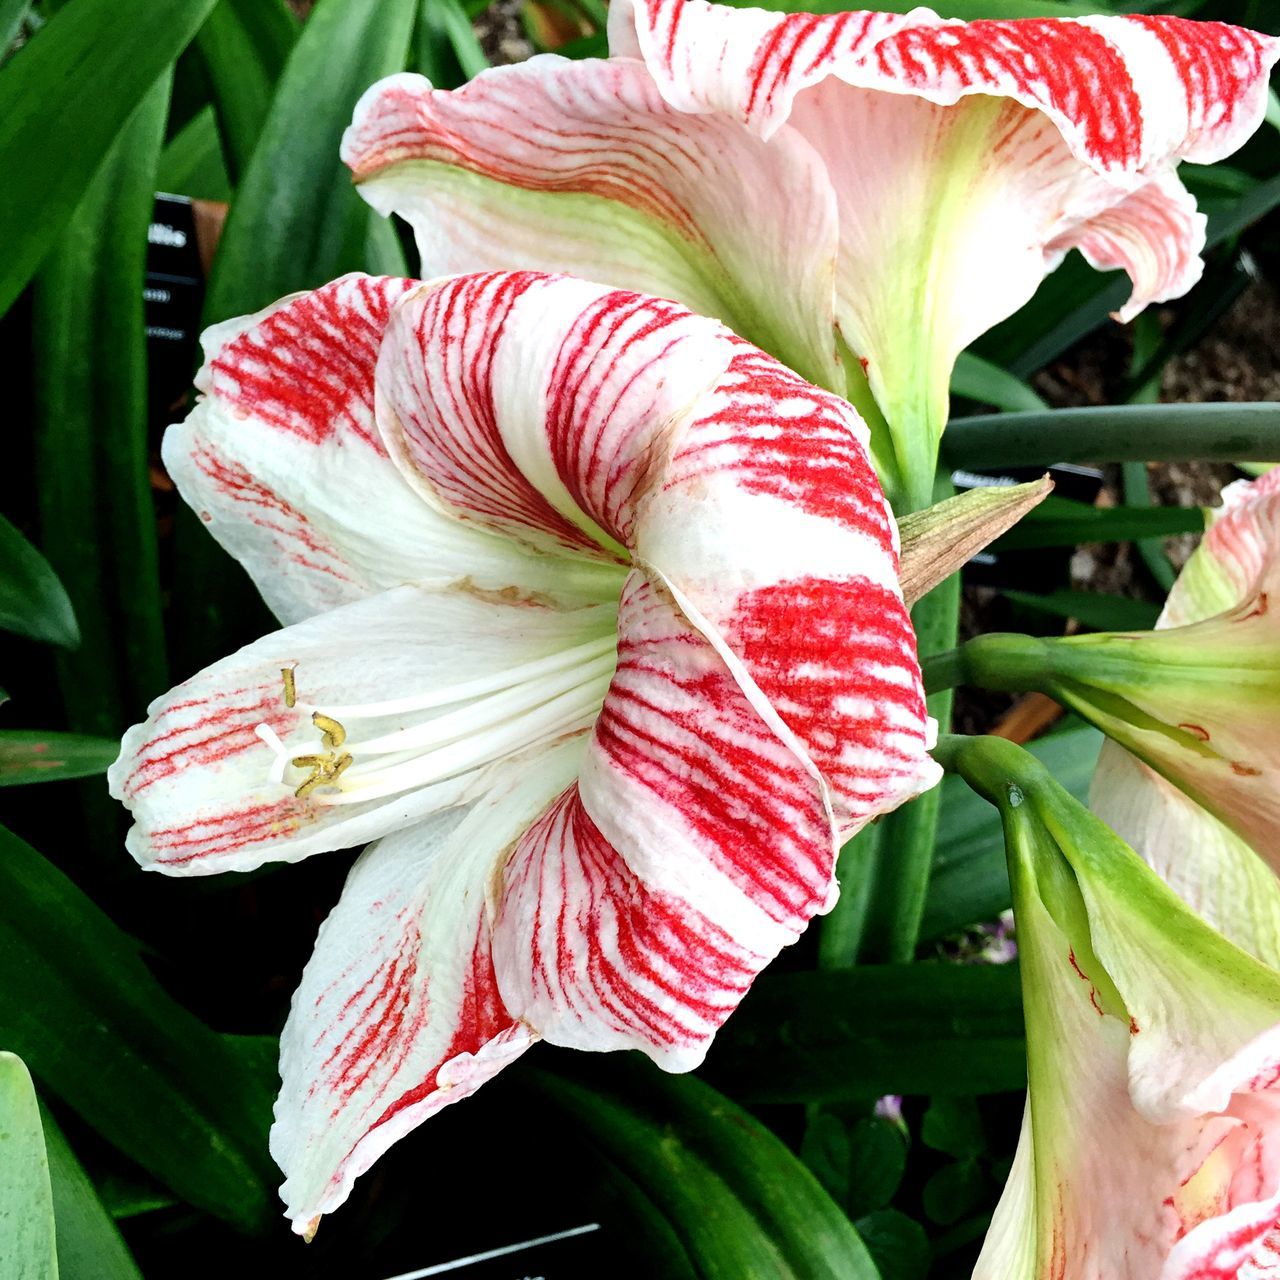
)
(855, 191)
(1228, 588)
(594, 626)
(1150, 1147)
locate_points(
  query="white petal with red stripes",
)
(906, 179)
(607, 788)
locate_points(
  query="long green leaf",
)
(100, 1032)
(970, 881)
(446, 47)
(1116, 433)
(62, 103)
(1093, 608)
(27, 1247)
(857, 1034)
(99, 525)
(297, 221)
(33, 602)
(245, 45)
(742, 1205)
(90, 1246)
(1067, 524)
(986, 383)
(192, 163)
(31, 755)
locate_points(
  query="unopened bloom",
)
(594, 627)
(1226, 872)
(861, 194)
(1150, 1147)
(1195, 705)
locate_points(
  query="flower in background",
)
(594, 627)
(862, 194)
(1228, 873)
(1150, 1146)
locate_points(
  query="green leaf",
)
(27, 1246)
(1117, 433)
(92, 460)
(953, 1125)
(826, 1152)
(986, 383)
(1060, 522)
(447, 50)
(741, 1204)
(878, 1159)
(90, 1246)
(33, 602)
(1094, 609)
(297, 222)
(970, 880)
(955, 1190)
(898, 1244)
(860, 1033)
(192, 163)
(32, 755)
(244, 45)
(904, 851)
(96, 60)
(100, 1032)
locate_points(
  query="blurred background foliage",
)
(146, 1010)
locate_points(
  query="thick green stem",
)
(1130, 433)
(943, 670)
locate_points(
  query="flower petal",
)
(399, 1013)
(1075, 1206)
(283, 462)
(968, 157)
(696, 845)
(774, 535)
(1207, 865)
(581, 167)
(1126, 93)
(1227, 568)
(205, 787)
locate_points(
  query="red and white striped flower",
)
(594, 625)
(884, 185)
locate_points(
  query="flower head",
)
(1150, 1147)
(862, 194)
(1209, 826)
(594, 628)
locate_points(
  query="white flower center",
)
(368, 751)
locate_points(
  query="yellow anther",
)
(334, 735)
(290, 689)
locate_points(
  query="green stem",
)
(943, 670)
(1128, 433)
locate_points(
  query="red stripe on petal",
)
(1219, 66)
(777, 435)
(599, 960)
(837, 660)
(677, 725)
(1065, 66)
(610, 400)
(306, 368)
(441, 393)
